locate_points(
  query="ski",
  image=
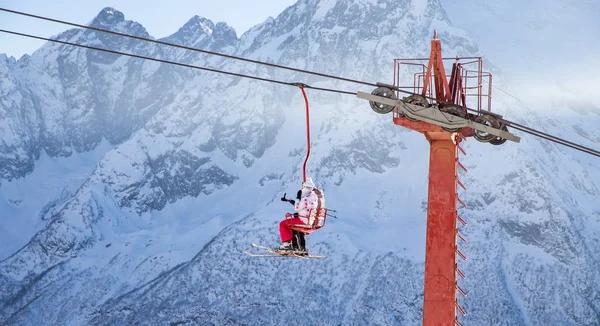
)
(282, 253)
(262, 254)
(262, 247)
(279, 251)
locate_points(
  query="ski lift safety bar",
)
(435, 116)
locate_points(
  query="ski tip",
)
(257, 254)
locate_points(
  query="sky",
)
(160, 19)
(545, 49)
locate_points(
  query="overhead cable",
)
(175, 63)
(509, 123)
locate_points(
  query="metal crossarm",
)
(434, 116)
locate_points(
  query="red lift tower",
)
(436, 106)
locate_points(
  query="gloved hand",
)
(291, 201)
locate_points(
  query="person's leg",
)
(295, 240)
(284, 231)
(302, 241)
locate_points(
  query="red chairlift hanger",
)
(317, 216)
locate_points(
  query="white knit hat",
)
(308, 183)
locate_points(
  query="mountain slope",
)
(156, 233)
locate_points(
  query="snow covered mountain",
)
(134, 186)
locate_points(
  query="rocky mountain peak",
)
(202, 32)
(107, 17)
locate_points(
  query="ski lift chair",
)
(316, 216)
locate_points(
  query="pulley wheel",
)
(416, 99)
(499, 140)
(489, 121)
(456, 110)
(382, 108)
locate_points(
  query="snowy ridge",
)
(155, 233)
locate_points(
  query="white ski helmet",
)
(308, 184)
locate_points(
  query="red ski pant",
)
(284, 229)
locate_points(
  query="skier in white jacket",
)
(306, 200)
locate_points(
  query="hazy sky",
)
(161, 18)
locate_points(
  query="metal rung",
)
(462, 166)
(461, 220)
(461, 237)
(460, 309)
(461, 202)
(461, 185)
(457, 322)
(461, 291)
(460, 273)
(462, 150)
(461, 254)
